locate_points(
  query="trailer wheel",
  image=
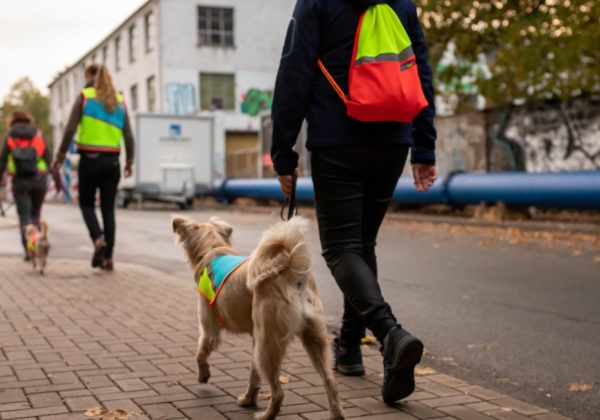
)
(124, 198)
(187, 204)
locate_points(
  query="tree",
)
(24, 95)
(536, 50)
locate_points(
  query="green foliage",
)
(536, 49)
(25, 96)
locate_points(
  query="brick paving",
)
(77, 341)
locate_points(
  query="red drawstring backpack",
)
(383, 82)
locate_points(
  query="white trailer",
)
(173, 159)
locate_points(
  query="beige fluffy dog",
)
(38, 245)
(271, 295)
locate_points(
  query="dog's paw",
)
(246, 401)
(203, 378)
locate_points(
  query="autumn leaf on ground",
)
(100, 413)
(95, 411)
(424, 371)
(579, 387)
(174, 382)
(369, 339)
(284, 379)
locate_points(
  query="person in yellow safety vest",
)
(99, 117)
(27, 157)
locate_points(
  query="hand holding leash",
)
(288, 187)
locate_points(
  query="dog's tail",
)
(282, 247)
(44, 229)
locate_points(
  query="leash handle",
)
(290, 202)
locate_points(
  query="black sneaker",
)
(348, 360)
(99, 247)
(401, 353)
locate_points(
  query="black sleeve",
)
(47, 153)
(294, 85)
(128, 139)
(71, 127)
(3, 156)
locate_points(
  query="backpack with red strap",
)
(24, 155)
(383, 81)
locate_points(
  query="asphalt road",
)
(516, 312)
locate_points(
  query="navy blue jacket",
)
(325, 29)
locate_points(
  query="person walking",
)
(100, 118)
(355, 167)
(28, 158)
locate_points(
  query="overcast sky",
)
(40, 38)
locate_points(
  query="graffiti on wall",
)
(552, 137)
(255, 100)
(181, 98)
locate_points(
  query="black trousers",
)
(99, 172)
(353, 187)
(29, 193)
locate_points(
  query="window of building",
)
(148, 28)
(104, 54)
(133, 92)
(215, 26)
(151, 93)
(131, 44)
(217, 91)
(117, 53)
(60, 95)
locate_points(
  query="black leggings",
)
(99, 172)
(29, 196)
(353, 187)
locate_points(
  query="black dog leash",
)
(290, 202)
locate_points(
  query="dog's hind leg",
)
(268, 356)
(248, 398)
(314, 340)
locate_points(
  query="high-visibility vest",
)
(100, 130)
(37, 142)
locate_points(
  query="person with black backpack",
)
(28, 158)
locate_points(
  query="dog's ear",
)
(223, 228)
(177, 222)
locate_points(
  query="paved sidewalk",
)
(77, 341)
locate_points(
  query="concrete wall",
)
(551, 137)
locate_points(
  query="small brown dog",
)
(38, 245)
(270, 295)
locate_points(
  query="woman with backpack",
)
(27, 157)
(100, 119)
(356, 157)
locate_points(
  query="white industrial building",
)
(192, 57)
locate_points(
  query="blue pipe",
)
(573, 190)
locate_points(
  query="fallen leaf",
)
(369, 339)
(264, 395)
(424, 371)
(121, 414)
(579, 387)
(32, 326)
(95, 411)
(174, 382)
(284, 379)
(597, 259)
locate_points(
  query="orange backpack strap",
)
(331, 81)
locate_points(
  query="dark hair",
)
(19, 116)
